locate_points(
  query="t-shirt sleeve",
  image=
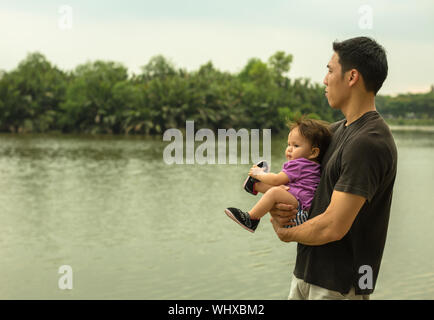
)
(364, 164)
(293, 169)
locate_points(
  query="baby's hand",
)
(256, 171)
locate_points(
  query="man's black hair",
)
(365, 55)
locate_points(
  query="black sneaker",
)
(249, 182)
(242, 218)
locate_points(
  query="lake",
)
(132, 227)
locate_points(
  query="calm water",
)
(132, 227)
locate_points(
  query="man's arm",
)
(332, 225)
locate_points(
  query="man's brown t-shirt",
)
(361, 160)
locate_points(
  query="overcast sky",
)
(227, 32)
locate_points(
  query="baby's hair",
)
(316, 131)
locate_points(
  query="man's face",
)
(337, 90)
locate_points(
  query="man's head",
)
(357, 64)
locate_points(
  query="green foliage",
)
(407, 106)
(157, 67)
(280, 64)
(100, 97)
(30, 95)
(90, 104)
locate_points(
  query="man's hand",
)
(331, 225)
(280, 231)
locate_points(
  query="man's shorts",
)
(301, 290)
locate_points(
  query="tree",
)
(31, 95)
(90, 104)
(158, 67)
(100, 97)
(280, 63)
(256, 71)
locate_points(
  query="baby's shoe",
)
(242, 218)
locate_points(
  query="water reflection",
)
(133, 227)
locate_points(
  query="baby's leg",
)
(273, 195)
(262, 187)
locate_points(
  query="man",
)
(340, 246)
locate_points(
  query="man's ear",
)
(353, 77)
(314, 153)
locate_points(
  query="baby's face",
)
(298, 146)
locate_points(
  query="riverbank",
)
(412, 128)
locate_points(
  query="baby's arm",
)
(269, 178)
